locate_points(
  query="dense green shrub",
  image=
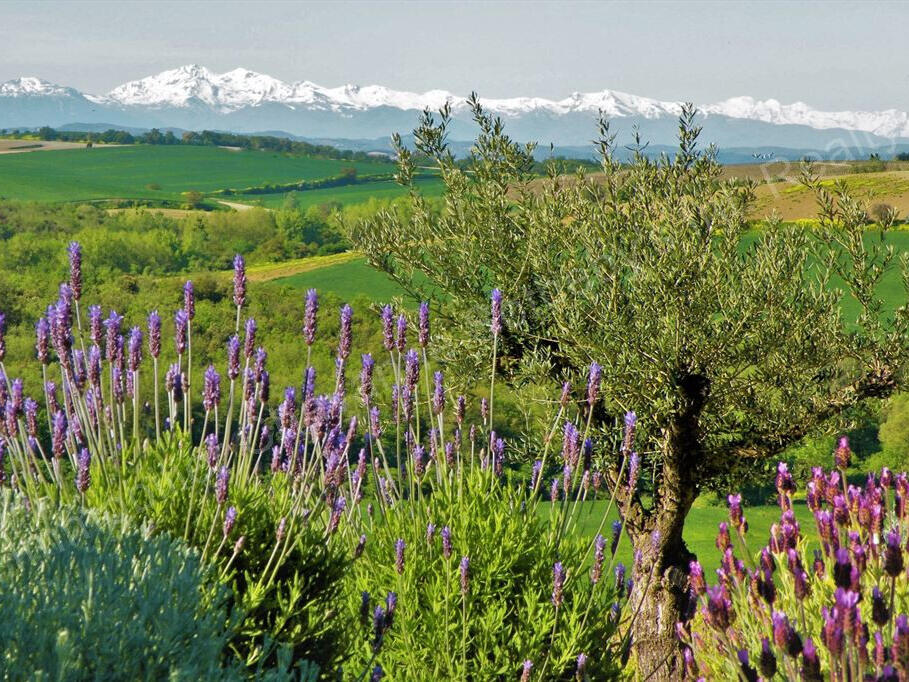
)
(85, 597)
(505, 616)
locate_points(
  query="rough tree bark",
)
(659, 597)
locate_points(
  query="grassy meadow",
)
(156, 172)
(342, 196)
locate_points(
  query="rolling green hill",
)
(157, 172)
(349, 194)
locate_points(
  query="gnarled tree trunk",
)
(660, 596)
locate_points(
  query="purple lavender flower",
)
(239, 281)
(593, 384)
(42, 340)
(880, 614)
(310, 312)
(581, 666)
(75, 269)
(418, 460)
(377, 674)
(399, 556)
(438, 394)
(446, 542)
(221, 483)
(484, 409)
(842, 455)
(366, 378)
(58, 434)
(842, 568)
(388, 339)
(233, 358)
(212, 449)
(719, 608)
(554, 490)
(230, 517)
(465, 574)
(181, 322)
(893, 555)
(345, 335)
(264, 387)
(599, 556)
(423, 335)
(95, 324)
(525, 670)
(401, 333)
(784, 483)
(535, 474)
(634, 465)
(31, 417)
(784, 635)
(735, 514)
(249, 340)
(616, 536)
(189, 300)
(83, 471)
(154, 334)
(211, 389)
(747, 672)
(558, 583)
(135, 349)
(496, 312)
(571, 444)
(430, 532)
(767, 660)
(811, 664)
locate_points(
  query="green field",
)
(347, 280)
(130, 172)
(350, 194)
(701, 529)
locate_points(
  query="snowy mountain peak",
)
(31, 86)
(195, 91)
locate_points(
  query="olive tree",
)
(729, 341)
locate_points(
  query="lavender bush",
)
(363, 532)
(830, 609)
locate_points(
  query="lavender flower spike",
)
(83, 472)
(525, 670)
(496, 309)
(211, 391)
(309, 317)
(154, 334)
(2, 336)
(189, 299)
(239, 281)
(230, 517)
(344, 341)
(558, 583)
(465, 574)
(221, 485)
(399, 556)
(388, 339)
(181, 322)
(593, 384)
(75, 269)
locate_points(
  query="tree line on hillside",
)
(205, 138)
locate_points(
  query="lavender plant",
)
(85, 596)
(834, 609)
(267, 486)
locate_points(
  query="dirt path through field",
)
(237, 206)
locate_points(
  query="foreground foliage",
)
(89, 597)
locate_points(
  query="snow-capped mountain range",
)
(194, 97)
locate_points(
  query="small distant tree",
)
(192, 199)
(729, 344)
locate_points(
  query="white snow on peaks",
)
(29, 85)
(194, 85)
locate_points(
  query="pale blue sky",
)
(849, 55)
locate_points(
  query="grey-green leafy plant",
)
(729, 340)
(87, 597)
